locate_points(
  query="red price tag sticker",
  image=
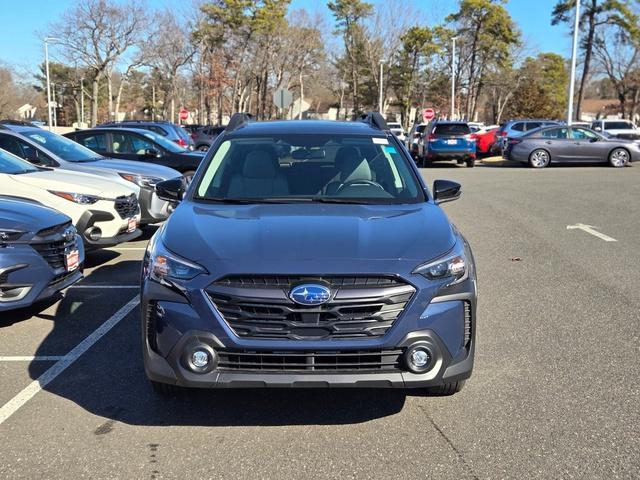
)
(133, 224)
(72, 260)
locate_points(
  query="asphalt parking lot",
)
(554, 393)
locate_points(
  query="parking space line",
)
(590, 229)
(61, 365)
(30, 358)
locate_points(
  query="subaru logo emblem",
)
(310, 294)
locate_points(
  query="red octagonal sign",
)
(428, 114)
(184, 114)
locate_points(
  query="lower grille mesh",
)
(368, 360)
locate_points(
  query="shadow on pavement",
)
(109, 379)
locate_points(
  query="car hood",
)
(74, 182)
(259, 234)
(138, 168)
(27, 216)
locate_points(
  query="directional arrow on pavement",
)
(590, 229)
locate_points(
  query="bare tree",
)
(96, 33)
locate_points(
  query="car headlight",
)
(81, 198)
(10, 235)
(162, 265)
(142, 181)
(452, 266)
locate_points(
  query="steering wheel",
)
(359, 182)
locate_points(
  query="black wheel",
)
(165, 389)
(539, 158)
(446, 389)
(460, 161)
(618, 157)
(471, 163)
(202, 148)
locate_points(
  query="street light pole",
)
(453, 78)
(46, 63)
(574, 53)
(380, 100)
(82, 101)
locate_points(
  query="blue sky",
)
(21, 47)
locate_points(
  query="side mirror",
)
(171, 190)
(446, 191)
(152, 153)
(593, 139)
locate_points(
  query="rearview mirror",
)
(171, 190)
(446, 191)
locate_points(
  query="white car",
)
(104, 212)
(617, 128)
(397, 130)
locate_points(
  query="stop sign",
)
(428, 114)
(184, 114)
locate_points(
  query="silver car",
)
(45, 148)
(562, 144)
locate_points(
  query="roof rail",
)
(375, 119)
(237, 120)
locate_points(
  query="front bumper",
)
(98, 218)
(437, 322)
(39, 280)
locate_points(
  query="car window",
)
(518, 127)
(451, 129)
(95, 141)
(558, 133)
(618, 126)
(13, 165)
(158, 130)
(309, 168)
(130, 144)
(165, 143)
(582, 134)
(533, 125)
(63, 147)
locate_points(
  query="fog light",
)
(419, 358)
(200, 359)
(93, 233)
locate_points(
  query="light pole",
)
(380, 100)
(82, 102)
(574, 52)
(46, 63)
(55, 109)
(453, 78)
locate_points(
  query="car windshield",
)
(13, 165)
(63, 147)
(309, 168)
(164, 142)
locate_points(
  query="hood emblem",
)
(310, 294)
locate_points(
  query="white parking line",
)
(29, 358)
(590, 229)
(61, 365)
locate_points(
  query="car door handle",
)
(548, 142)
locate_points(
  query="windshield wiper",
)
(22, 172)
(341, 200)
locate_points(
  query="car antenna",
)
(238, 120)
(375, 119)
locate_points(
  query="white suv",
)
(617, 128)
(104, 212)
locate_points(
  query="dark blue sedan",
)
(40, 253)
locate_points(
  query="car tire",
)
(446, 389)
(202, 148)
(539, 158)
(165, 389)
(471, 163)
(619, 157)
(460, 161)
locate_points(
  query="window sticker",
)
(391, 150)
(380, 141)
